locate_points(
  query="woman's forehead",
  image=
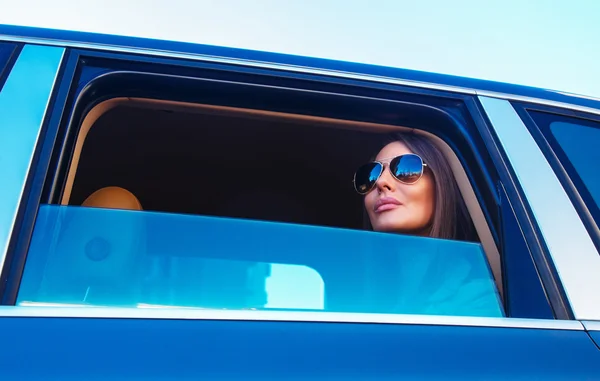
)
(392, 150)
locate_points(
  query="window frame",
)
(8, 55)
(37, 100)
(580, 276)
(586, 207)
(62, 117)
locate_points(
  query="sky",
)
(542, 43)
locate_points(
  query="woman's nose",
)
(385, 181)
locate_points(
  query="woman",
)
(409, 189)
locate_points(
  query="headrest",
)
(98, 254)
(113, 198)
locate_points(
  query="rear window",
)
(575, 143)
(168, 192)
(6, 52)
(580, 144)
(100, 257)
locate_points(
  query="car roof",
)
(407, 76)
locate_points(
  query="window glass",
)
(108, 257)
(580, 144)
(6, 49)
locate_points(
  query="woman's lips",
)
(386, 203)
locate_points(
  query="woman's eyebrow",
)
(388, 158)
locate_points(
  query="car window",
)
(250, 205)
(575, 141)
(107, 257)
(580, 144)
(6, 51)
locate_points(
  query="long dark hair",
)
(451, 219)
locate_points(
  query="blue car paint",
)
(93, 349)
(595, 335)
(286, 59)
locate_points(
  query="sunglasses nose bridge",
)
(385, 178)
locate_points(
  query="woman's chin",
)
(398, 228)
(388, 228)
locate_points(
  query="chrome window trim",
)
(572, 250)
(234, 61)
(24, 101)
(539, 101)
(304, 69)
(591, 325)
(283, 316)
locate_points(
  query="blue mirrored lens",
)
(407, 168)
(366, 176)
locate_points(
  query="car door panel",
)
(108, 348)
(593, 328)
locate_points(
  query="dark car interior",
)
(226, 161)
(208, 163)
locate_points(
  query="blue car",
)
(179, 211)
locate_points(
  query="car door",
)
(544, 294)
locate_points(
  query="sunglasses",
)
(407, 169)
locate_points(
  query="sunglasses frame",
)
(388, 160)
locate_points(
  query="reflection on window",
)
(104, 257)
(580, 144)
(283, 291)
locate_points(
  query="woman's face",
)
(396, 207)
